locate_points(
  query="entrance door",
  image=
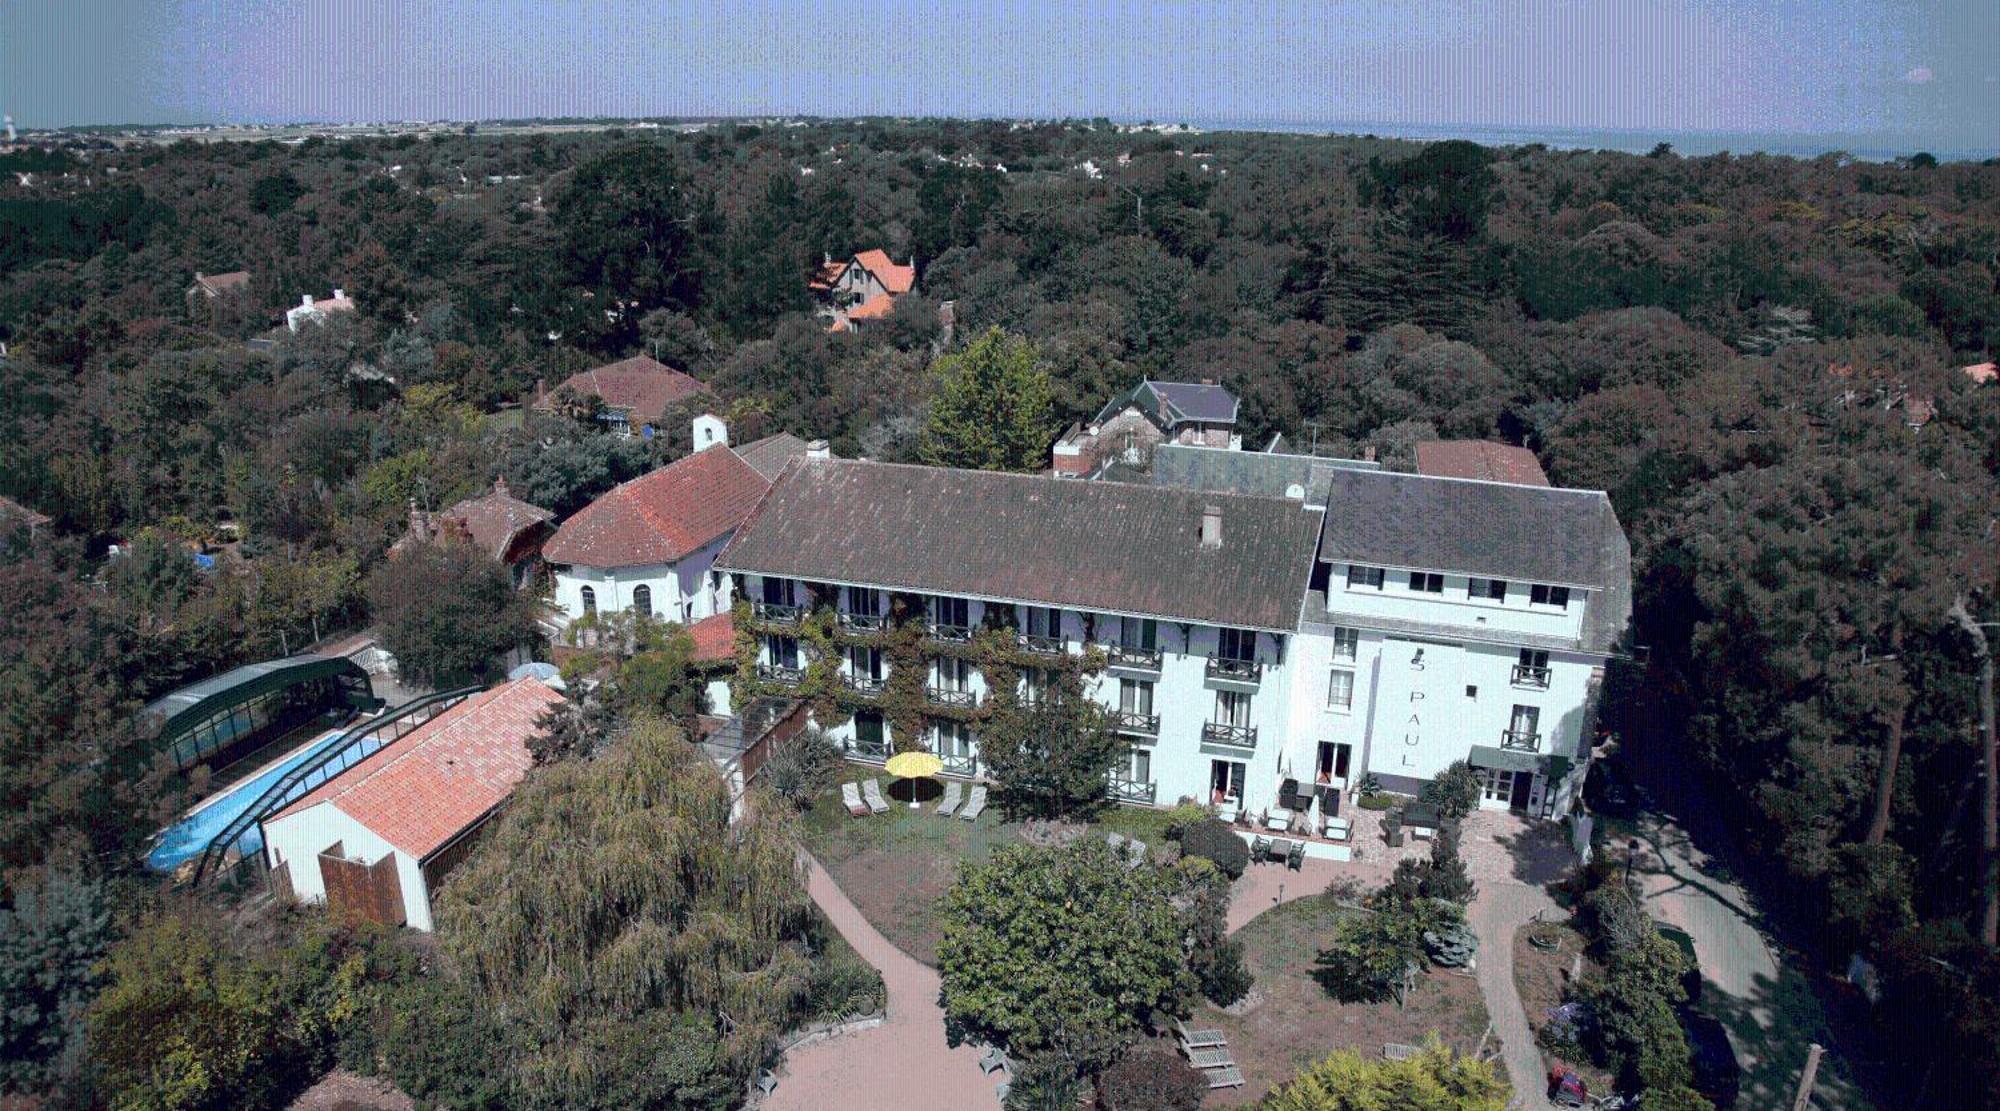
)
(1225, 781)
(1333, 761)
(1523, 783)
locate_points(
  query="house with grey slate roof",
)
(1272, 632)
(1149, 414)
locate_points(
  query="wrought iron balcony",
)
(1521, 740)
(863, 622)
(967, 766)
(1126, 790)
(1533, 678)
(777, 613)
(779, 673)
(1131, 721)
(1231, 670)
(875, 753)
(941, 696)
(1041, 645)
(1133, 659)
(1221, 733)
(864, 684)
(957, 634)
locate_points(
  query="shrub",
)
(799, 768)
(1377, 802)
(1045, 1082)
(1455, 792)
(1435, 1080)
(843, 984)
(1151, 1080)
(1213, 840)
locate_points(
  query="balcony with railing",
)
(955, 634)
(777, 613)
(1521, 740)
(862, 622)
(864, 684)
(782, 674)
(946, 696)
(966, 766)
(1531, 678)
(1222, 733)
(1121, 657)
(1127, 790)
(1227, 671)
(1037, 645)
(872, 752)
(1132, 721)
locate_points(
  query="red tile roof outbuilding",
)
(642, 386)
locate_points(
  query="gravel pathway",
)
(901, 1065)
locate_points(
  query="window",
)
(1142, 634)
(953, 674)
(1340, 692)
(784, 651)
(950, 611)
(1534, 659)
(1495, 785)
(1363, 578)
(1225, 781)
(953, 738)
(1034, 684)
(1525, 723)
(866, 663)
(1490, 590)
(1428, 582)
(589, 602)
(1135, 696)
(1232, 708)
(642, 599)
(777, 592)
(1346, 645)
(1042, 621)
(1556, 597)
(863, 600)
(1237, 644)
(1142, 766)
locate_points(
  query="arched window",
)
(589, 602)
(642, 599)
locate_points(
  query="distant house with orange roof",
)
(377, 839)
(1982, 373)
(639, 394)
(864, 287)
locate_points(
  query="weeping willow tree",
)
(633, 948)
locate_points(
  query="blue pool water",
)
(186, 838)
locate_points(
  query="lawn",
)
(1290, 1021)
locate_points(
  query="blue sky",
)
(1927, 74)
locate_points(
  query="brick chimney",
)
(500, 487)
(1211, 526)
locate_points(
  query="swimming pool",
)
(187, 838)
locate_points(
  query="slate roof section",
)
(421, 792)
(1481, 459)
(1169, 404)
(662, 515)
(1259, 473)
(641, 386)
(770, 454)
(1534, 534)
(1105, 546)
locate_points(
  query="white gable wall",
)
(298, 839)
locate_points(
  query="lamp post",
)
(1631, 850)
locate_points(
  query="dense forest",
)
(1763, 360)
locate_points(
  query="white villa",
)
(1276, 626)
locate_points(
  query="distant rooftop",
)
(1480, 459)
(1169, 404)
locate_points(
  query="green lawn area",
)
(897, 866)
(506, 420)
(1292, 1021)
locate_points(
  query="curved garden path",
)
(901, 1065)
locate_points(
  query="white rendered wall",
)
(298, 839)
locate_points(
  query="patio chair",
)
(1200, 1038)
(850, 793)
(1260, 848)
(952, 794)
(976, 805)
(871, 791)
(993, 1062)
(1295, 857)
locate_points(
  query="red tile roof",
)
(714, 638)
(875, 308)
(1480, 459)
(1982, 373)
(640, 385)
(663, 515)
(827, 277)
(894, 278)
(496, 520)
(426, 789)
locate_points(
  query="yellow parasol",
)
(913, 765)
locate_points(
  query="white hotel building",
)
(1275, 625)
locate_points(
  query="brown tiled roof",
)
(640, 385)
(770, 454)
(430, 786)
(496, 520)
(662, 515)
(894, 278)
(1028, 538)
(714, 638)
(1481, 459)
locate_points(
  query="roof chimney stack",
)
(710, 431)
(305, 300)
(500, 487)
(817, 449)
(1211, 526)
(338, 293)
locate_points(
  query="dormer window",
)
(1427, 582)
(1554, 597)
(1486, 590)
(1363, 578)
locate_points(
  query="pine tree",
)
(992, 407)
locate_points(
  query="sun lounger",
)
(1199, 1039)
(975, 805)
(1214, 1057)
(1231, 1077)
(872, 792)
(952, 794)
(850, 793)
